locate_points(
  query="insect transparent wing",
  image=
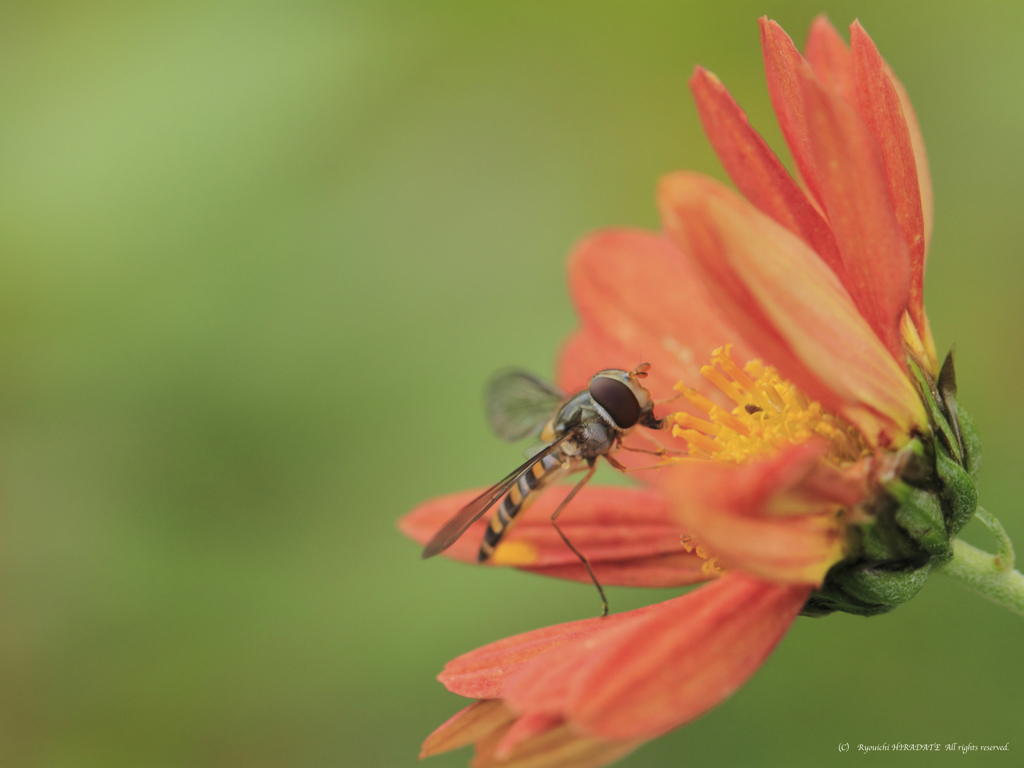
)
(519, 404)
(473, 511)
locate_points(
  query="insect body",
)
(577, 431)
(527, 488)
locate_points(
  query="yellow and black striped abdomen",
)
(522, 495)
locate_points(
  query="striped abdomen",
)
(522, 495)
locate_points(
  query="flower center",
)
(770, 414)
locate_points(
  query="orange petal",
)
(674, 570)
(924, 179)
(561, 747)
(641, 300)
(789, 306)
(775, 518)
(924, 174)
(661, 669)
(829, 57)
(856, 199)
(484, 673)
(703, 228)
(841, 164)
(882, 111)
(528, 726)
(629, 535)
(756, 170)
(782, 63)
(768, 485)
(479, 719)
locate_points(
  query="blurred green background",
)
(258, 259)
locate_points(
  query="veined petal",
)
(774, 518)
(659, 670)
(643, 301)
(842, 166)
(830, 59)
(782, 63)
(882, 111)
(629, 535)
(856, 198)
(787, 303)
(705, 229)
(756, 170)
(485, 672)
(924, 174)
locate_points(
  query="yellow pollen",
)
(770, 414)
(710, 566)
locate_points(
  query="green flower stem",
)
(990, 575)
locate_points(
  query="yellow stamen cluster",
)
(710, 567)
(770, 414)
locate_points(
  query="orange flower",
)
(785, 321)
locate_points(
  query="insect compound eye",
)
(617, 399)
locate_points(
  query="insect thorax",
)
(593, 435)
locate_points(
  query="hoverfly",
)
(576, 430)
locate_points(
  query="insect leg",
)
(569, 544)
(623, 468)
(659, 452)
(652, 439)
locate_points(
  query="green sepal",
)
(881, 540)
(959, 494)
(828, 600)
(886, 566)
(972, 443)
(880, 586)
(867, 589)
(921, 516)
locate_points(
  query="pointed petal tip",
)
(857, 32)
(470, 724)
(756, 170)
(700, 78)
(821, 26)
(829, 56)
